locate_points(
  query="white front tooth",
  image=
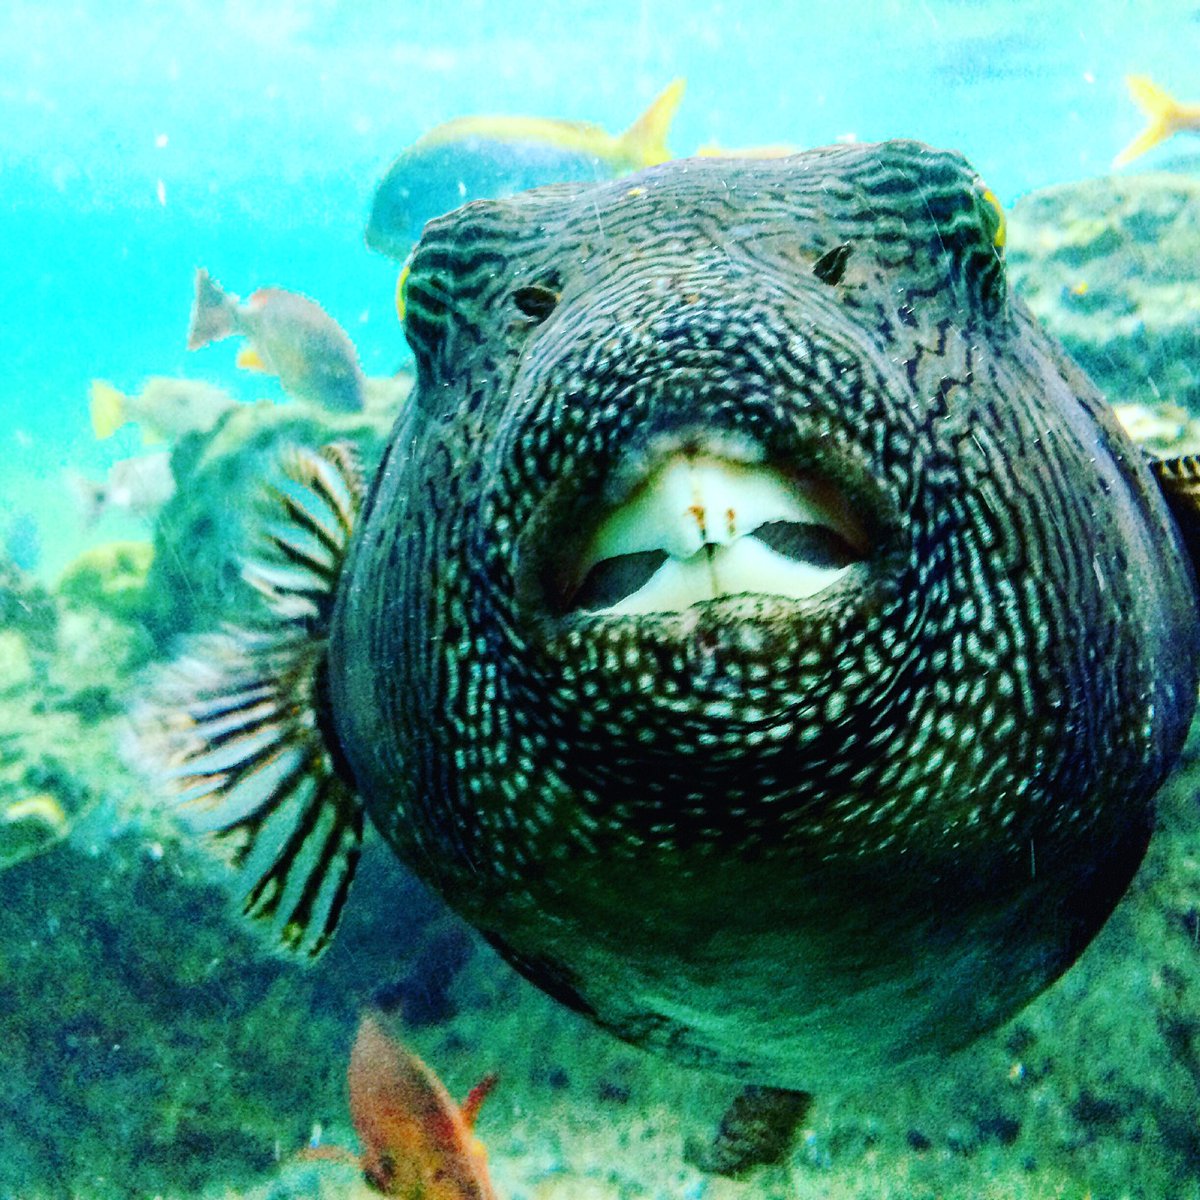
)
(736, 498)
(752, 566)
(657, 517)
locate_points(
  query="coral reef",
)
(205, 532)
(26, 608)
(110, 578)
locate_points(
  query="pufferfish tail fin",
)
(1162, 111)
(235, 725)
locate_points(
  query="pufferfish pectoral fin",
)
(1179, 479)
(233, 728)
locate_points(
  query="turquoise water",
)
(150, 1040)
(268, 126)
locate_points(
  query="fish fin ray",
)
(1161, 109)
(644, 143)
(107, 409)
(1179, 480)
(475, 1098)
(233, 728)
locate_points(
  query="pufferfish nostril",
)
(536, 300)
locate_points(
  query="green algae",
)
(110, 578)
(204, 534)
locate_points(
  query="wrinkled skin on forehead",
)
(801, 839)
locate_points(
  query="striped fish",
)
(759, 629)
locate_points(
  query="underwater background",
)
(150, 1045)
(268, 127)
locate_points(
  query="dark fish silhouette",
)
(486, 157)
(758, 628)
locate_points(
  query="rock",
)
(1112, 267)
(110, 577)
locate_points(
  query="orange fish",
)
(290, 336)
(416, 1141)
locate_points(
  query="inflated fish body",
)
(795, 838)
(758, 628)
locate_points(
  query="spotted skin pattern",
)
(799, 841)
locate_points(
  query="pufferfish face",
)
(750, 591)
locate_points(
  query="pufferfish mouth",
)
(699, 526)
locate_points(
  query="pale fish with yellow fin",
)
(487, 157)
(288, 335)
(166, 408)
(1166, 117)
(139, 485)
(758, 628)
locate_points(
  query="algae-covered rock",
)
(1112, 267)
(205, 532)
(16, 662)
(30, 826)
(26, 607)
(110, 577)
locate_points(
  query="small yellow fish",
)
(1166, 117)
(489, 156)
(643, 144)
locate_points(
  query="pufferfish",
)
(758, 628)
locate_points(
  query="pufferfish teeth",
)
(693, 500)
(746, 565)
(685, 536)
